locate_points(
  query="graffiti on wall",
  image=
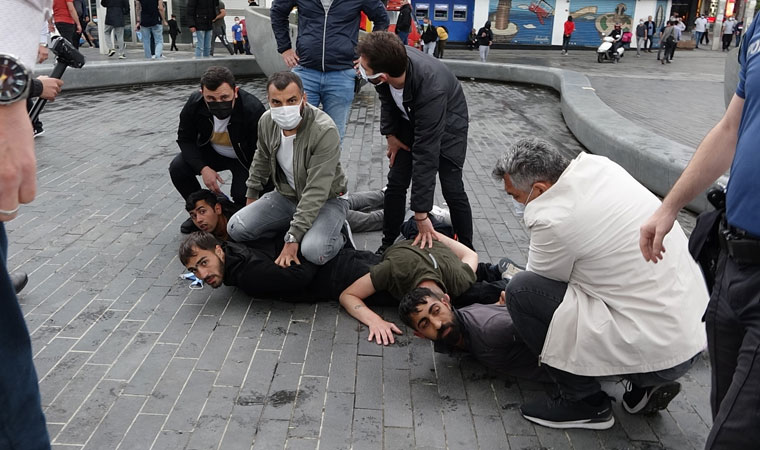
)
(522, 21)
(595, 19)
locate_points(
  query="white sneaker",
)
(111, 52)
(122, 56)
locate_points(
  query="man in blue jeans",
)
(299, 150)
(151, 22)
(22, 423)
(324, 57)
(200, 16)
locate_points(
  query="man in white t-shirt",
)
(217, 131)
(700, 28)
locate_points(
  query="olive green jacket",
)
(317, 172)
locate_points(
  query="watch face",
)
(13, 79)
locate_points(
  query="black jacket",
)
(485, 35)
(437, 125)
(430, 34)
(201, 13)
(173, 27)
(196, 125)
(326, 42)
(404, 21)
(115, 11)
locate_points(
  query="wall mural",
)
(527, 22)
(595, 19)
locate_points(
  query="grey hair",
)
(528, 161)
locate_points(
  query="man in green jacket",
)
(299, 148)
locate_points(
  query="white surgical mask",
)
(287, 117)
(368, 78)
(519, 208)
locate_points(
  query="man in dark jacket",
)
(200, 16)
(424, 117)
(324, 56)
(173, 32)
(115, 12)
(485, 39)
(252, 268)
(217, 131)
(404, 22)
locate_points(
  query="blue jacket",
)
(327, 37)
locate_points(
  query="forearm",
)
(356, 307)
(73, 13)
(712, 158)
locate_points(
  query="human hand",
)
(18, 182)
(502, 298)
(382, 332)
(212, 179)
(248, 201)
(51, 87)
(289, 254)
(166, 24)
(425, 232)
(290, 57)
(652, 233)
(79, 28)
(394, 145)
(42, 54)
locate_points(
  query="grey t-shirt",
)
(219, 22)
(491, 338)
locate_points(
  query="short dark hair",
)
(384, 53)
(198, 240)
(215, 76)
(282, 80)
(411, 301)
(203, 194)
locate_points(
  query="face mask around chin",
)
(287, 117)
(220, 110)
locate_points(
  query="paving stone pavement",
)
(129, 358)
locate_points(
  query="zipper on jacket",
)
(324, 35)
(240, 146)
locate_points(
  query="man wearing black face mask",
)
(217, 131)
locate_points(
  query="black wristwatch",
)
(15, 80)
(290, 239)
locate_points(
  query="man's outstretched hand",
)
(653, 232)
(426, 234)
(382, 332)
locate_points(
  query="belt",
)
(741, 246)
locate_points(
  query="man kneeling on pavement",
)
(588, 305)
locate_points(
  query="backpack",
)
(626, 37)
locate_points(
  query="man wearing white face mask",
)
(299, 148)
(587, 304)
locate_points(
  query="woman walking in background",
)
(569, 28)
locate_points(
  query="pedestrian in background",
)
(237, 33)
(404, 22)
(641, 36)
(443, 37)
(569, 28)
(651, 29)
(114, 29)
(173, 32)
(700, 27)
(667, 42)
(472, 39)
(429, 36)
(738, 32)
(66, 20)
(485, 39)
(220, 30)
(728, 33)
(200, 16)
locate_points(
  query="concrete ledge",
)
(110, 74)
(653, 160)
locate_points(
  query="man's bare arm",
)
(352, 299)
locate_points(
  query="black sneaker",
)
(188, 227)
(19, 280)
(38, 131)
(383, 247)
(592, 413)
(508, 268)
(649, 400)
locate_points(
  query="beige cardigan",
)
(620, 314)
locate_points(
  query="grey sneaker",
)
(592, 413)
(508, 268)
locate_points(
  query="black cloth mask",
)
(220, 110)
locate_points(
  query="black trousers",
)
(733, 340)
(185, 181)
(727, 38)
(174, 41)
(452, 188)
(69, 32)
(565, 42)
(705, 37)
(532, 301)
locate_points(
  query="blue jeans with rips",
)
(334, 90)
(22, 423)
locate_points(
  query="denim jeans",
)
(404, 36)
(115, 39)
(365, 210)
(203, 39)
(698, 36)
(334, 90)
(22, 423)
(270, 216)
(733, 339)
(532, 301)
(158, 35)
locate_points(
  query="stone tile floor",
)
(129, 358)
